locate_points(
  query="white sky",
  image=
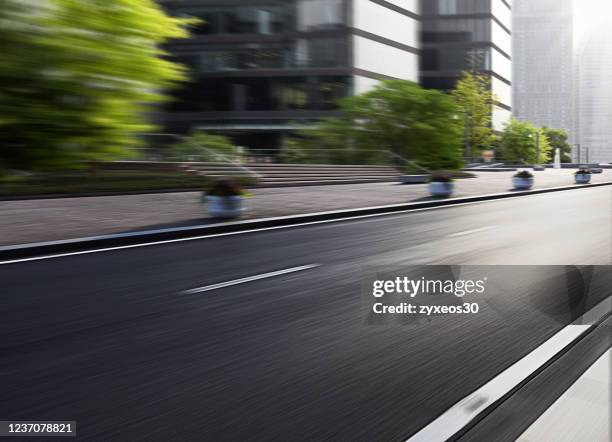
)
(589, 13)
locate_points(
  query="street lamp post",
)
(538, 147)
(467, 147)
(578, 148)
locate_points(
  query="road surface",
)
(171, 342)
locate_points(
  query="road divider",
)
(105, 243)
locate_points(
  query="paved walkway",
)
(582, 413)
(53, 219)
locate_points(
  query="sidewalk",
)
(582, 413)
(53, 219)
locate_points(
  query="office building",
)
(594, 95)
(469, 35)
(543, 62)
(259, 67)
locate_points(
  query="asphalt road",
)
(112, 340)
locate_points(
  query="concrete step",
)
(301, 170)
(329, 177)
(293, 170)
(274, 175)
(313, 176)
(266, 183)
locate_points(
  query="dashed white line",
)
(248, 279)
(469, 232)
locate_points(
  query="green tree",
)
(558, 139)
(397, 116)
(474, 97)
(78, 78)
(519, 143)
(202, 146)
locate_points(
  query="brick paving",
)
(52, 219)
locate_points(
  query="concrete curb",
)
(133, 238)
(192, 189)
(97, 194)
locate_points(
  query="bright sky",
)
(589, 14)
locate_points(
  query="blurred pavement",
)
(65, 218)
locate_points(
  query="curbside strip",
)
(29, 250)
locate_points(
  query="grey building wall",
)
(543, 86)
(594, 95)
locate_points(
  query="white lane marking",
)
(263, 229)
(248, 279)
(469, 232)
(465, 411)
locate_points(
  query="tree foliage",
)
(474, 97)
(396, 116)
(78, 77)
(558, 139)
(202, 146)
(519, 143)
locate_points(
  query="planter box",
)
(414, 179)
(522, 183)
(441, 189)
(224, 207)
(583, 178)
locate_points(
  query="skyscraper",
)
(258, 66)
(469, 35)
(543, 61)
(594, 95)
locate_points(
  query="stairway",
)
(286, 175)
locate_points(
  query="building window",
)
(321, 52)
(320, 14)
(331, 90)
(293, 95)
(457, 30)
(448, 7)
(240, 19)
(454, 7)
(478, 59)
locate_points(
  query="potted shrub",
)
(441, 185)
(522, 180)
(583, 176)
(224, 199)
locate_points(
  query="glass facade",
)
(474, 59)
(271, 19)
(281, 61)
(301, 15)
(315, 52)
(455, 7)
(467, 35)
(458, 30)
(292, 35)
(320, 14)
(262, 94)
